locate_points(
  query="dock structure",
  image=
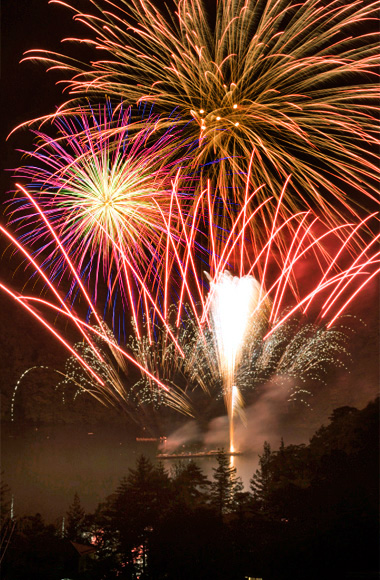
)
(196, 454)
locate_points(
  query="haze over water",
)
(45, 467)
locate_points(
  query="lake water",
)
(45, 467)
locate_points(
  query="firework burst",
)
(293, 83)
(103, 184)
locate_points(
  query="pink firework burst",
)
(104, 186)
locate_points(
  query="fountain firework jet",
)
(237, 407)
(234, 303)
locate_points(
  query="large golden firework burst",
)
(274, 87)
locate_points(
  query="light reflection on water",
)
(45, 467)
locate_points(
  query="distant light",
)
(201, 111)
(218, 118)
(236, 124)
(235, 106)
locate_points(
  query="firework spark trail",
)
(82, 380)
(237, 408)
(296, 83)
(18, 383)
(339, 274)
(103, 184)
(51, 329)
(277, 343)
(102, 333)
(119, 391)
(43, 276)
(308, 241)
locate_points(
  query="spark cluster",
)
(298, 356)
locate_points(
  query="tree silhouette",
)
(75, 520)
(261, 479)
(190, 484)
(306, 501)
(226, 485)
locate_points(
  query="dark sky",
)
(27, 91)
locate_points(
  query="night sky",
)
(27, 91)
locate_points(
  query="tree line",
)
(311, 512)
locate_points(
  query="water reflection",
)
(45, 467)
